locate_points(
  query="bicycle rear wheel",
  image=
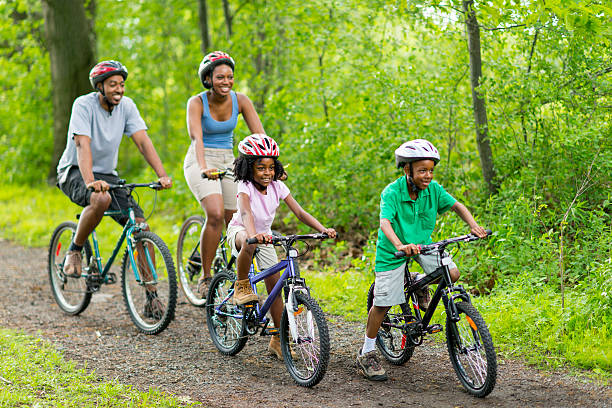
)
(309, 340)
(224, 320)
(471, 351)
(150, 291)
(71, 294)
(189, 259)
(391, 340)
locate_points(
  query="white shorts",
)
(389, 285)
(265, 257)
(201, 187)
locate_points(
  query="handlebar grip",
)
(400, 254)
(489, 232)
(251, 240)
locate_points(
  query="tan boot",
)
(243, 293)
(274, 348)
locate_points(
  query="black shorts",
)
(74, 187)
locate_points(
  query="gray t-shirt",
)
(105, 129)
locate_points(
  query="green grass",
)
(34, 374)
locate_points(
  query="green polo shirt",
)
(413, 221)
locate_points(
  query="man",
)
(97, 125)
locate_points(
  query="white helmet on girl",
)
(418, 149)
(259, 145)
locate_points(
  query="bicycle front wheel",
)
(471, 351)
(224, 320)
(189, 259)
(307, 336)
(391, 339)
(148, 281)
(71, 294)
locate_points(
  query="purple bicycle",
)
(304, 336)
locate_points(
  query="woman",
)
(211, 119)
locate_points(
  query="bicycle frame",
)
(129, 229)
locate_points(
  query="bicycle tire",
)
(150, 316)
(471, 351)
(391, 340)
(188, 260)
(311, 349)
(228, 333)
(71, 294)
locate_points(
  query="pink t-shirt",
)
(263, 206)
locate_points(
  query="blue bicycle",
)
(148, 277)
(304, 336)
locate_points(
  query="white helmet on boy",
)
(418, 149)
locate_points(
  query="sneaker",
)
(274, 348)
(154, 308)
(72, 264)
(243, 293)
(369, 365)
(203, 286)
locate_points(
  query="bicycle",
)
(303, 326)
(469, 342)
(143, 279)
(189, 259)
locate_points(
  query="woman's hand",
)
(165, 181)
(211, 173)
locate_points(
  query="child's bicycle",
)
(148, 278)
(304, 336)
(189, 259)
(468, 340)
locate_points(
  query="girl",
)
(259, 193)
(211, 119)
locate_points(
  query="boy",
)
(408, 209)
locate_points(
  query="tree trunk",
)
(206, 46)
(70, 42)
(478, 102)
(227, 12)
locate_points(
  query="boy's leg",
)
(368, 360)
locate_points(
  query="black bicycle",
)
(469, 342)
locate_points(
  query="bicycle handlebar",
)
(155, 185)
(220, 173)
(276, 239)
(440, 245)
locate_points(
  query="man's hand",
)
(97, 186)
(409, 250)
(330, 232)
(165, 181)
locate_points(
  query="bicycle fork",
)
(293, 310)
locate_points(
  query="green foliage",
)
(35, 374)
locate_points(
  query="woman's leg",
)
(211, 233)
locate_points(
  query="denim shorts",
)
(74, 187)
(389, 285)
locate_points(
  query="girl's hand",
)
(330, 231)
(409, 250)
(262, 238)
(478, 231)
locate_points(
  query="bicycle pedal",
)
(272, 331)
(434, 328)
(249, 305)
(112, 278)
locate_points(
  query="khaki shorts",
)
(201, 187)
(389, 285)
(265, 257)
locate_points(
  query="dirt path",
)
(183, 361)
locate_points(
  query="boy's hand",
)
(478, 231)
(409, 250)
(330, 231)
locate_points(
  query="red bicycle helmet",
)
(210, 61)
(105, 69)
(259, 145)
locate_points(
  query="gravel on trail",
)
(183, 361)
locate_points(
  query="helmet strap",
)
(411, 184)
(259, 186)
(105, 99)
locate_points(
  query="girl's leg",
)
(243, 292)
(276, 310)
